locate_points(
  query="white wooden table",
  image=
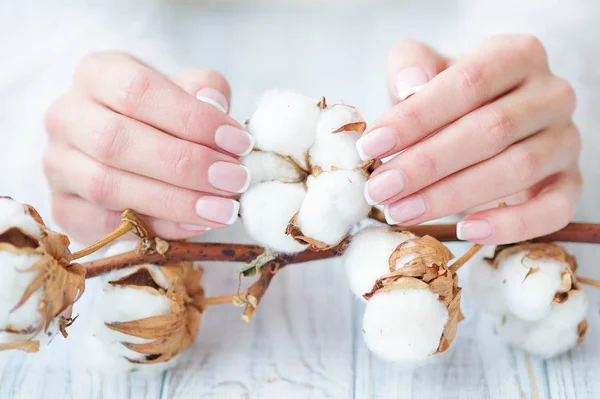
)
(304, 340)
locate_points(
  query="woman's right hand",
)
(126, 136)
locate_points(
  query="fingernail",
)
(409, 81)
(213, 97)
(473, 230)
(194, 227)
(229, 176)
(376, 143)
(405, 210)
(217, 209)
(384, 186)
(234, 140)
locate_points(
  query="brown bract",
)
(422, 263)
(173, 332)
(59, 282)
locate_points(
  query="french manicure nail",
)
(405, 209)
(228, 176)
(383, 186)
(213, 97)
(194, 227)
(409, 81)
(234, 140)
(217, 209)
(376, 143)
(473, 230)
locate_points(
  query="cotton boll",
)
(267, 166)
(486, 288)
(334, 202)
(404, 325)
(266, 210)
(14, 214)
(285, 122)
(334, 148)
(530, 286)
(555, 334)
(366, 258)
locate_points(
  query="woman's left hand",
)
(493, 124)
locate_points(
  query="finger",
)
(518, 168)
(477, 136)
(549, 211)
(126, 86)
(497, 68)
(206, 85)
(410, 65)
(124, 143)
(68, 210)
(73, 172)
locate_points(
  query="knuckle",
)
(107, 139)
(54, 119)
(97, 188)
(532, 48)
(180, 160)
(135, 89)
(526, 164)
(573, 138)
(520, 227)
(472, 81)
(59, 211)
(562, 210)
(48, 164)
(428, 167)
(565, 94)
(191, 121)
(498, 127)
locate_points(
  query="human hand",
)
(126, 136)
(493, 124)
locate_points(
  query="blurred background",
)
(335, 48)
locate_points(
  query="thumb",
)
(206, 85)
(410, 65)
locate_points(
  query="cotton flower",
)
(38, 285)
(532, 290)
(304, 143)
(148, 314)
(367, 257)
(413, 310)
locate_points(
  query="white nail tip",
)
(405, 91)
(250, 148)
(212, 102)
(459, 231)
(236, 211)
(367, 196)
(388, 217)
(248, 180)
(360, 151)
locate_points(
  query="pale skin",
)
(127, 136)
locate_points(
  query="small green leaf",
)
(252, 268)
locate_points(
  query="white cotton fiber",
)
(404, 325)
(366, 258)
(551, 336)
(266, 210)
(13, 283)
(285, 122)
(336, 149)
(14, 214)
(530, 298)
(267, 166)
(334, 202)
(486, 288)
